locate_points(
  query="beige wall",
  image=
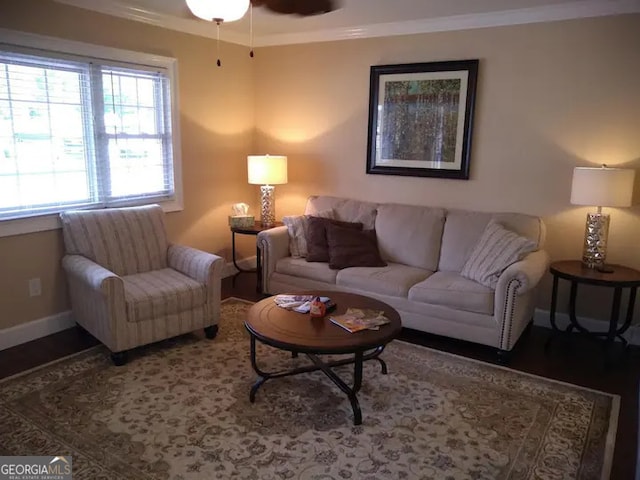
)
(550, 97)
(216, 119)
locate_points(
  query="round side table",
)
(253, 230)
(620, 278)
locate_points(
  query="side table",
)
(620, 278)
(253, 230)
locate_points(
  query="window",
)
(78, 131)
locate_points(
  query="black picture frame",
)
(421, 119)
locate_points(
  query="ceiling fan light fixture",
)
(219, 10)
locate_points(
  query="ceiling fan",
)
(232, 10)
(220, 11)
(302, 8)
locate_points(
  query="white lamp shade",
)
(602, 187)
(267, 169)
(225, 10)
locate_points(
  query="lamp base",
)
(596, 233)
(267, 205)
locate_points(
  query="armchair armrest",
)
(515, 296)
(274, 245)
(90, 273)
(203, 267)
(97, 300)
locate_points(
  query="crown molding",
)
(124, 10)
(552, 13)
(549, 13)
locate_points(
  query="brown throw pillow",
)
(316, 234)
(353, 248)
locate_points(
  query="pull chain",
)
(219, 63)
(251, 29)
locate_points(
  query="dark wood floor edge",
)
(610, 439)
(615, 398)
(50, 363)
(638, 444)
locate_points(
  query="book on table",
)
(300, 303)
(357, 319)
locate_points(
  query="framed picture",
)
(421, 119)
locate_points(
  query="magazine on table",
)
(357, 319)
(300, 303)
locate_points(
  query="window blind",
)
(82, 133)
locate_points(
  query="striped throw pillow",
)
(495, 251)
(297, 229)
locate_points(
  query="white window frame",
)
(10, 38)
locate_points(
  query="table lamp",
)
(601, 187)
(267, 170)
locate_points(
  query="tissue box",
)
(241, 221)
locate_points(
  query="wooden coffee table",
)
(299, 333)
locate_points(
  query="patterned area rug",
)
(180, 410)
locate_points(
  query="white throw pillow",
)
(495, 251)
(297, 229)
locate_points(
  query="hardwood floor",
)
(578, 361)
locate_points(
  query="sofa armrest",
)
(528, 272)
(515, 296)
(202, 267)
(274, 245)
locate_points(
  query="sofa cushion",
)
(297, 230)
(394, 279)
(410, 234)
(450, 289)
(158, 293)
(299, 267)
(345, 209)
(495, 251)
(463, 229)
(317, 244)
(352, 248)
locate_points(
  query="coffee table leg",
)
(351, 392)
(261, 375)
(357, 372)
(375, 355)
(358, 360)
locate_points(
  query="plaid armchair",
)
(129, 286)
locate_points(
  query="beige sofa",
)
(425, 248)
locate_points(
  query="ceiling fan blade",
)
(297, 7)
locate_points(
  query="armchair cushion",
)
(160, 293)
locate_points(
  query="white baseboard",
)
(541, 319)
(246, 263)
(25, 332)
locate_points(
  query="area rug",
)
(180, 410)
